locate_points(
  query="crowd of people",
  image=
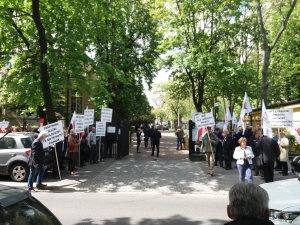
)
(152, 135)
(77, 149)
(252, 151)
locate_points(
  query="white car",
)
(284, 201)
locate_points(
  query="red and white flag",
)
(201, 132)
(296, 131)
(246, 107)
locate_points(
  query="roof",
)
(293, 102)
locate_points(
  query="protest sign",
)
(88, 117)
(204, 120)
(4, 125)
(54, 133)
(100, 128)
(79, 123)
(106, 115)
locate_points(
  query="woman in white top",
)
(244, 155)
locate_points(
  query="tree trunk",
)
(43, 65)
(264, 93)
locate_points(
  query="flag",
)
(295, 130)
(227, 118)
(228, 115)
(73, 119)
(234, 120)
(267, 130)
(246, 107)
(201, 132)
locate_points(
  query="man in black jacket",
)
(252, 142)
(156, 136)
(227, 149)
(36, 162)
(268, 152)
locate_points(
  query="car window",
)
(28, 211)
(7, 143)
(27, 142)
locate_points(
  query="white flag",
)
(234, 120)
(246, 107)
(73, 120)
(267, 130)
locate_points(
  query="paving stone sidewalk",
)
(172, 172)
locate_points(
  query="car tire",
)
(19, 172)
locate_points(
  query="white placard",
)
(204, 120)
(4, 125)
(280, 117)
(88, 117)
(111, 130)
(100, 128)
(55, 133)
(79, 123)
(106, 115)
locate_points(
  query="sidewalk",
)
(171, 173)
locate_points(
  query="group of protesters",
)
(252, 151)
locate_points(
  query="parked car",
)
(165, 127)
(18, 206)
(14, 153)
(284, 201)
(295, 165)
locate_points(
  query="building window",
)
(76, 103)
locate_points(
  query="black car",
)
(165, 127)
(18, 206)
(295, 164)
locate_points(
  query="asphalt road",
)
(136, 208)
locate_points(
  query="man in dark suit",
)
(227, 149)
(156, 136)
(36, 162)
(268, 151)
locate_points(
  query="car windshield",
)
(28, 211)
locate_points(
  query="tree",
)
(200, 45)
(45, 51)
(125, 38)
(285, 9)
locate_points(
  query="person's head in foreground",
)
(248, 204)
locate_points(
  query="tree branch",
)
(284, 24)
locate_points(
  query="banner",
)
(280, 118)
(55, 133)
